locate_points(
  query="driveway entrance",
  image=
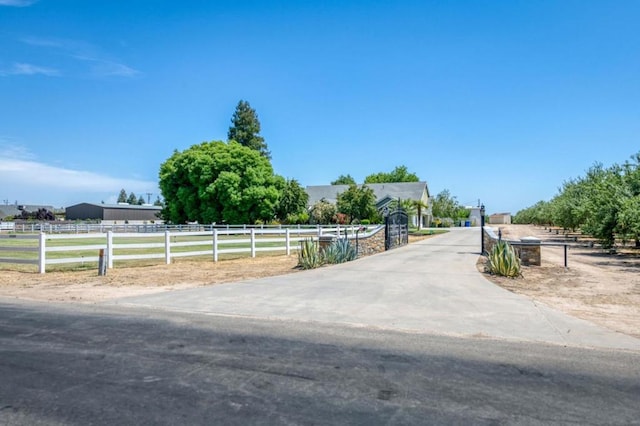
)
(431, 286)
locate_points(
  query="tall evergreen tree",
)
(132, 199)
(122, 198)
(140, 200)
(245, 129)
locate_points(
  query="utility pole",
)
(148, 198)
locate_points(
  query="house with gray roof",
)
(385, 194)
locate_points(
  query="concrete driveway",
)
(431, 286)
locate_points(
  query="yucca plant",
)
(339, 251)
(502, 260)
(309, 256)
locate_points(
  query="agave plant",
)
(309, 256)
(339, 251)
(502, 260)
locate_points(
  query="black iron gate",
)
(397, 229)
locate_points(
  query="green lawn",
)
(427, 231)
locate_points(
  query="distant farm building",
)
(500, 219)
(119, 213)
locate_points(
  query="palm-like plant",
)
(339, 251)
(309, 256)
(502, 260)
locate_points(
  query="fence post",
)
(215, 245)
(253, 242)
(287, 239)
(167, 247)
(110, 249)
(102, 270)
(42, 259)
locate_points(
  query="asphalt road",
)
(411, 336)
(432, 286)
(82, 365)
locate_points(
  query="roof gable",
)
(119, 206)
(393, 190)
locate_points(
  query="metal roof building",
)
(113, 212)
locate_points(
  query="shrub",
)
(339, 251)
(502, 260)
(297, 219)
(340, 218)
(309, 256)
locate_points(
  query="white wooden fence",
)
(214, 243)
(7, 226)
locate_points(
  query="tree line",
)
(133, 199)
(399, 174)
(604, 203)
(233, 182)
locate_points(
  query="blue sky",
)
(493, 100)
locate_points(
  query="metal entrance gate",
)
(397, 229)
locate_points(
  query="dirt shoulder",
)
(597, 286)
(86, 286)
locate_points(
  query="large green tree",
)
(293, 200)
(357, 202)
(606, 196)
(629, 219)
(245, 129)
(399, 174)
(219, 182)
(445, 205)
(569, 208)
(344, 180)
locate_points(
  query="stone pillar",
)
(530, 251)
(325, 241)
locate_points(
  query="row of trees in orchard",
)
(234, 182)
(605, 203)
